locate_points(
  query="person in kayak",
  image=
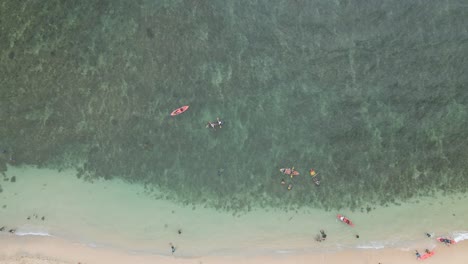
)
(343, 219)
(312, 172)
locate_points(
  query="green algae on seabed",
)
(372, 96)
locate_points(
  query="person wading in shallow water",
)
(324, 236)
(173, 248)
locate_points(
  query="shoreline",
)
(51, 250)
(114, 217)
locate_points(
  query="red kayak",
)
(344, 220)
(179, 110)
(446, 240)
(427, 255)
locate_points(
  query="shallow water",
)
(371, 95)
(113, 214)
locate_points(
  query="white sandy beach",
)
(45, 250)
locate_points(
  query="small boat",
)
(344, 220)
(179, 110)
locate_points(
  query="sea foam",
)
(371, 245)
(284, 251)
(32, 233)
(460, 236)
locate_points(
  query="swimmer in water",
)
(173, 248)
(211, 125)
(218, 123)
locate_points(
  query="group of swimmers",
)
(218, 123)
(12, 230)
(292, 173)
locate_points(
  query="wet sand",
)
(49, 250)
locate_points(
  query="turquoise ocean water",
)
(111, 214)
(371, 95)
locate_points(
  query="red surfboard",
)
(427, 255)
(344, 220)
(179, 110)
(441, 239)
